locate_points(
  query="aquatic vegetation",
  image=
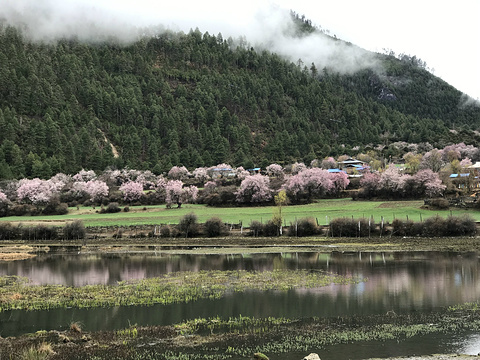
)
(40, 352)
(470, 306)
(170, 288)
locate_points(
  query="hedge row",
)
(71, 231)
(188, 226)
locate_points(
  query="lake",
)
(402, 282)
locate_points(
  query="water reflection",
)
(400, 282)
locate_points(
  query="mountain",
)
(198, 100)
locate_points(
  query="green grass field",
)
(323, 211)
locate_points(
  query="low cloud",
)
(264, 26)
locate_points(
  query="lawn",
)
(322, 210)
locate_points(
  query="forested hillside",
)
(198, 99)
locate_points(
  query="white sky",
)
(445, 34)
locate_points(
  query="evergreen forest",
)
(195, 99)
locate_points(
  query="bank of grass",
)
(323, 211)
(241, 337)
(16, 294)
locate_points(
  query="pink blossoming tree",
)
(275, 170)
(178, 173)
(97, 190)
(426, 183)
(254, 189)
(177, 194)
(132, 191)
(4, 204)
(36, 191)
(340, 181)
(84, 175)
(308, 184)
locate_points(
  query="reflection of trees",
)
(409, 279)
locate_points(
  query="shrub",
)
(111, 208)
(304, 227)
(460, 226)
(74, 230)
(23, 209)
(406, 228)
(271, 229)
(256, 228)
(39, 232)
(215, 227)
(188, 225)
(440, 203)
(126, 209)
(351, 227)
(55, 208)
(434, 226)
(165, 231)
(9, 232)
(222, 196)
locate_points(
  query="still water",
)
(400, 282)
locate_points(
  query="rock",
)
(260, 356)
(312, 356)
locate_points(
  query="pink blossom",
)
(432, 160)
(176, 193)
(340, 181)
(241, 173)
(275, 170)
(84, 175)
(178, 173)
(147, 179)
(201, 174)
(4, 199)
(392, 181)
(308, 184)
(298, 167)
(209, 187)
(427, 183)
(36, 191)
(328, 163)
(96, 189)
(132, 191)
(254, 189)
(465, 163)
(161, 183)
(370, 183)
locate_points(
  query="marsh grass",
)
(170, 288)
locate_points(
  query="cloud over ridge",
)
(264, 25)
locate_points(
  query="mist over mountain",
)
(268, 27)
(87, 88)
